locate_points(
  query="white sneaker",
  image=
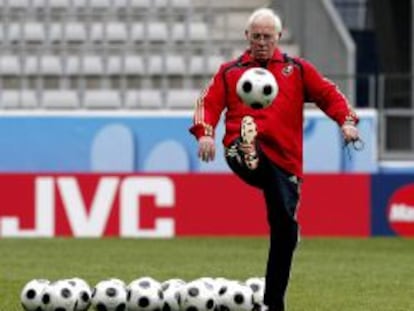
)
(248, 136)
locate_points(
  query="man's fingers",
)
(206, 152)
(206, 148)
(350, 133)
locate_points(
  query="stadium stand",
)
(112, 54)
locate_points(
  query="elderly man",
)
(264, 147)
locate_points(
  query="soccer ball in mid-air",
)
(59, 295)
(144, 294)
(257, 87)
(109, 295)
(31, 294)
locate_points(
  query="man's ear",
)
(246, 33)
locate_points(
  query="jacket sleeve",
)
(326, 95)
(209, 106)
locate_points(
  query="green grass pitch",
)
(328, 274)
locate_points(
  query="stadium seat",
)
(55, 32)
(16, 4)
(114, 65)
(116, 32)
(180, 3)
(40, 4)
(174, 65)
(127, 44)
(182, 98)
(133, 3)
(9, 65)
(100, 4)
(175, 4)
(201, 65)
(72, 65)
(86, 65)
(134, 64)
(70, 32)
(50, 65)
(129, 65)
(97, 32)
(29, 31)
(10, 99)
(132, 99)
(137, 32)
(153, 31)
(151, 98)
(81, 4)
(102, 99)
(73, 31)
(157, 31)
(144, 98)
(59, 4)
(111, 32)
(194, 31)
(92, 65)
(31, 65)
(60, 99)
(19, 99)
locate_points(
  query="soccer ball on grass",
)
(235, 296)
(59, 296)
(109, 295)
(144, 294)
(31, 294)
(82, 292)
(197, 296)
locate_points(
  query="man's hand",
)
(350, 132)
(206, 148)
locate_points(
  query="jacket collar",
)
(246, 58)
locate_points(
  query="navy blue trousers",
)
(281, 194)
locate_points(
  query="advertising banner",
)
(153, 205)
(130, 142)
(393, 204)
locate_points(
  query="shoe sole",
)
(248, 136)
(248, 130)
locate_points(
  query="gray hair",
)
(265, 12)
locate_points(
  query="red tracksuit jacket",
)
(280, 126)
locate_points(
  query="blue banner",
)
(392, 204)
(152, 142)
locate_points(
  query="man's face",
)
(263, 38)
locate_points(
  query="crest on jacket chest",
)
(287, 70)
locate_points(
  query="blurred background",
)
(92, 89)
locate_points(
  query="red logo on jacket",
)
(287, 70)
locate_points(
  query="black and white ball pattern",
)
(145, 294)
(59, 296)
(257, 88)
(197, 296)
(109, 295)
(258, 287)
(235, 296)
(82, 293)
(31, 294)
(172, 294)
